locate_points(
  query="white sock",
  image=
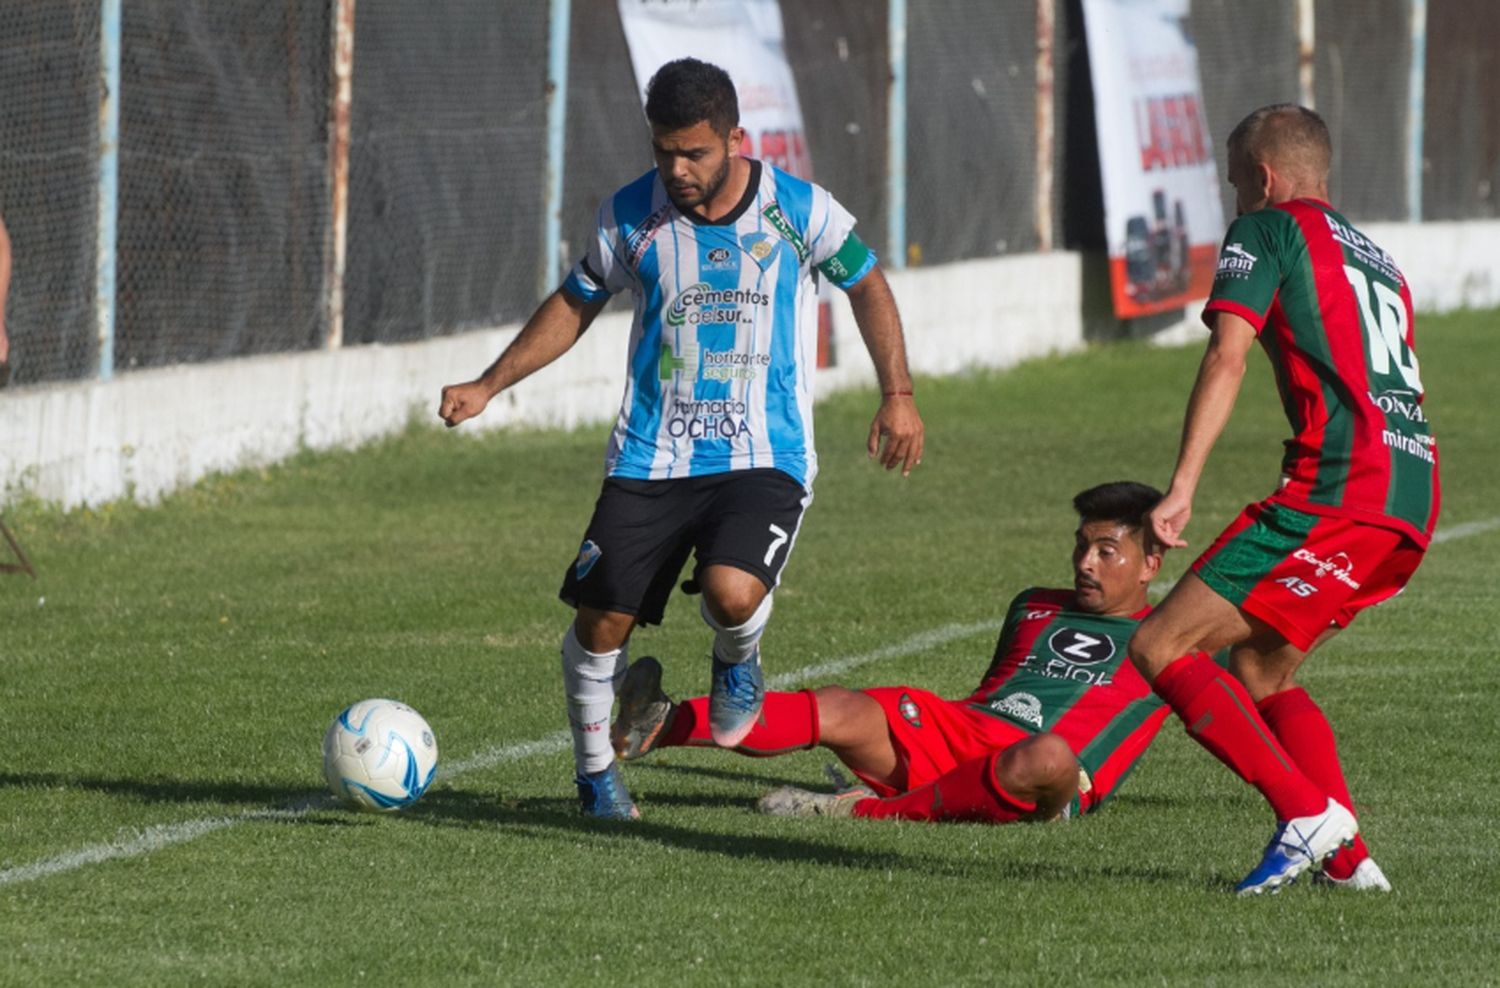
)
(734, 645)
(590, 680)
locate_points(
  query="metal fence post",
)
(558, 37)
(1046, 21)
(1306, 51)
(108, 191)
(340, 105)
(896, 148)
(1416, 110)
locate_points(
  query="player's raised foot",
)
(645, 711)
(603, 795)
(791, 801)
(735, 695)
(1366, 877)
(1299, 844)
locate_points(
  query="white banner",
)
(1163, 218)
(742, 37)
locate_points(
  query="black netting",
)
(225, 201)
(1361, 82)
(446, 169)
(49, 111)
(1247, 58)
(837, 50)
(608, 142)
(971, 129)
(223, 197)
(1461, 136)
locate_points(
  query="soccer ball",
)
(379, 755)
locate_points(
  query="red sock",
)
(969, 792)
(1220, 716)
(787, 722)
(1304, 731)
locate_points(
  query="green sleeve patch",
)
(849, 262)
(1249, 269)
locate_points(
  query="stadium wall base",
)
(146, 433)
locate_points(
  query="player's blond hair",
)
(1290, 137)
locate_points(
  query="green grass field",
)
(165, 684)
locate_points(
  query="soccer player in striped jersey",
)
(712, 453)
(1057, 722)
(1355, 511)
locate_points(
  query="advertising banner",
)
(1163, 218)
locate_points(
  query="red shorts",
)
(1301, 573)
(933, 736)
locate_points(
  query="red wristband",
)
(896, 394)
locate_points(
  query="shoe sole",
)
(651, 670)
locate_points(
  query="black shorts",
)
(643, 530)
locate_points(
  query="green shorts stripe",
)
(1233, 567)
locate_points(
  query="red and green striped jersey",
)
(1335, 316)
(1064, 670)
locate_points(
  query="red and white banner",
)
(1162, 212)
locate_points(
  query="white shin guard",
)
(734, 645)
(590, 680)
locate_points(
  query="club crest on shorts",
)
(909, 710)
(588, 555)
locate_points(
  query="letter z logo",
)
(1081, 647)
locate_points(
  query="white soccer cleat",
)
(1367, 877)
(1300, 844)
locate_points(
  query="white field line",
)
(1448, 534)
(166, 835)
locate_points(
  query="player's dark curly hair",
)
(1124, 502)
(687, 92)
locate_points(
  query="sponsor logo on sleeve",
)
(638, 241)
(909, 710)
(1235, 262)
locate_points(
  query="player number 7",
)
(776, 543)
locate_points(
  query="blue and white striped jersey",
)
(724, 344)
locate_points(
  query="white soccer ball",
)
(379, 755)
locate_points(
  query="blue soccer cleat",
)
(735, 696)
(1299, 844)
(603, 795)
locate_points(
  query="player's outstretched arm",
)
(897, 420)
(1218, 385)
(551, 331)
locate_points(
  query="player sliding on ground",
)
(712, 454)
(1355, 511)
(1057, 723)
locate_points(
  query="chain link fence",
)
(49, 104)
(222, 180)
(224, 231)
(446, 167)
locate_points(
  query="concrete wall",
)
(148, 432)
